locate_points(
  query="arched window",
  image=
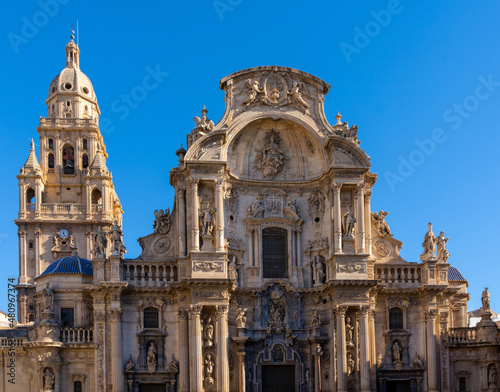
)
(85, 143)
(30, 196)
(51, 141)
(150, 317)
(396, 318)
(68, 160)
(96, 196)
(275, 252)
(85, 161)
(50, 161)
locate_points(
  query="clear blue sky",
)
(399, 70)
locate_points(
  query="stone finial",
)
(203, 124)
(338, 117)
(181, 153)
(31, 164)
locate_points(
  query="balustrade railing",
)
(147, 274)
(77, 335)
(462, 335)
(398, 273)
(12, 342)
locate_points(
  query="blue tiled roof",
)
(70, 265)
(455, 274)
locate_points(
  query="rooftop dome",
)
(455, 274)
(70, 265)
(71, 80)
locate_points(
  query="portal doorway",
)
(399, 386)
(151, 387)
(278, 378)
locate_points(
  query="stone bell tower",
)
(66, 195)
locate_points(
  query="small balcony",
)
(149, 274)
(77, 335)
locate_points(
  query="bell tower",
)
(68, 194)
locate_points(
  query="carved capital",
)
(365, 311)
(336, 187)
(360, 187)
(431, 314)
(99, 316)
(219, 184)
(341, 310)
(368, 194)
(194, 183)
(115, 314)
(195, 310)
(182, 314)
(222, 310)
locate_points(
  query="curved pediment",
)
(345, 153)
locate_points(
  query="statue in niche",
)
(254, 90)
(351, 365)
(241, 320)
(378, 219)
(48, 296)
(116, 237)
(208, 334)
(49, 379)
(151, 357)
(209, 370)
(348, 223)
(233, 270)
(315, 321)
(485, 299)
(308, 376)
(492, 376)
(429, 245)
(130, 365)
(380, 360)
(295, 97)
(173, 366)
(396, 352)
(442, 252)
(417, 362)
(100, 243)
(319, 274)
(162, 222)
(271, 159)
(207, 219)
(349, 332)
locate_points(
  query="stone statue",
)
(493, 376)
(116, 237)
(203, 124)
(271, 158)
(417, 362)
(485, 299)
(233, 271)
(442, 252)
(429, 245)
(100, 243)
(348, 223)
(48, 297)
(209, 369)
(151, 357)
(162, 222)
(351, 365)
(207, 219)
(349, 332)
(49, 379)
(319, 274)
(380, 360)
(378, 219)
(308, 376)
(254, 90)
(315, 321)
(396, 352)
(241, 320)
(296, 97)
(130, 365)
(208, 333)
(174, 367)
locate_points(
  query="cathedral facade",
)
(269, 273)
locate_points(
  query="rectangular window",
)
(461, 384)
(275, 252)
(77, 386)
(67, 317)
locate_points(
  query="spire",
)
(31, 164)
(99, 163)
(72, 54)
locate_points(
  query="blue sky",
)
(421, 79)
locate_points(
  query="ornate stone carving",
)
(275, 203)
(378, 219)
(317, 245)
(207, 219)
(208, 333)
(49, 379)
(396, 352)
(207, 266)
(442, 252)
(209, 366)
(429, 245)
(232, 200)
(349, 133)
(316, 204)
(382, 248)
(100, 243)
(209, 294)
(318, 270)
(162, 245)
(130, 365)
(162, 222)
(116, 237)
(277, 310)
(348, 222)
(270, 159)
(350, 268)
(315, 319)
(203, 124)
(241, 320)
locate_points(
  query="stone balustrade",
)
(462, 335)
(54, 210)
(149, 274)
(77, 335)
(46, 122)
(12, 342)
(394, 273)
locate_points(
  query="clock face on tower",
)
(63, 233)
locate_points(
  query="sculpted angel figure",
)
(378, 219)
(349, 221)
(255, 89)
(162, 221)
(241, 320)
(296, 97)
(442, 252)
(429, 245)
(203, 123)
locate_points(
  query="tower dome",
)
(69, 265)
(71, 94)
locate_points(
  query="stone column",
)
(337, 217)
(100, 340)
(195, 246)
(373, 350)
(297, 244)
(432, 364)
(116, 350)
(183, 351)
(181, 223)
(38, 246)
(368, 221)
(365, 350)
(38, 197)
(195, 359)
(251, 261)
(222, 360)
(105, 200)
(341, 350)
(88, 201)
(219, 220)
(242, 371)
(256, 250)
(361, 218)
(23, 257)
(317, 368)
